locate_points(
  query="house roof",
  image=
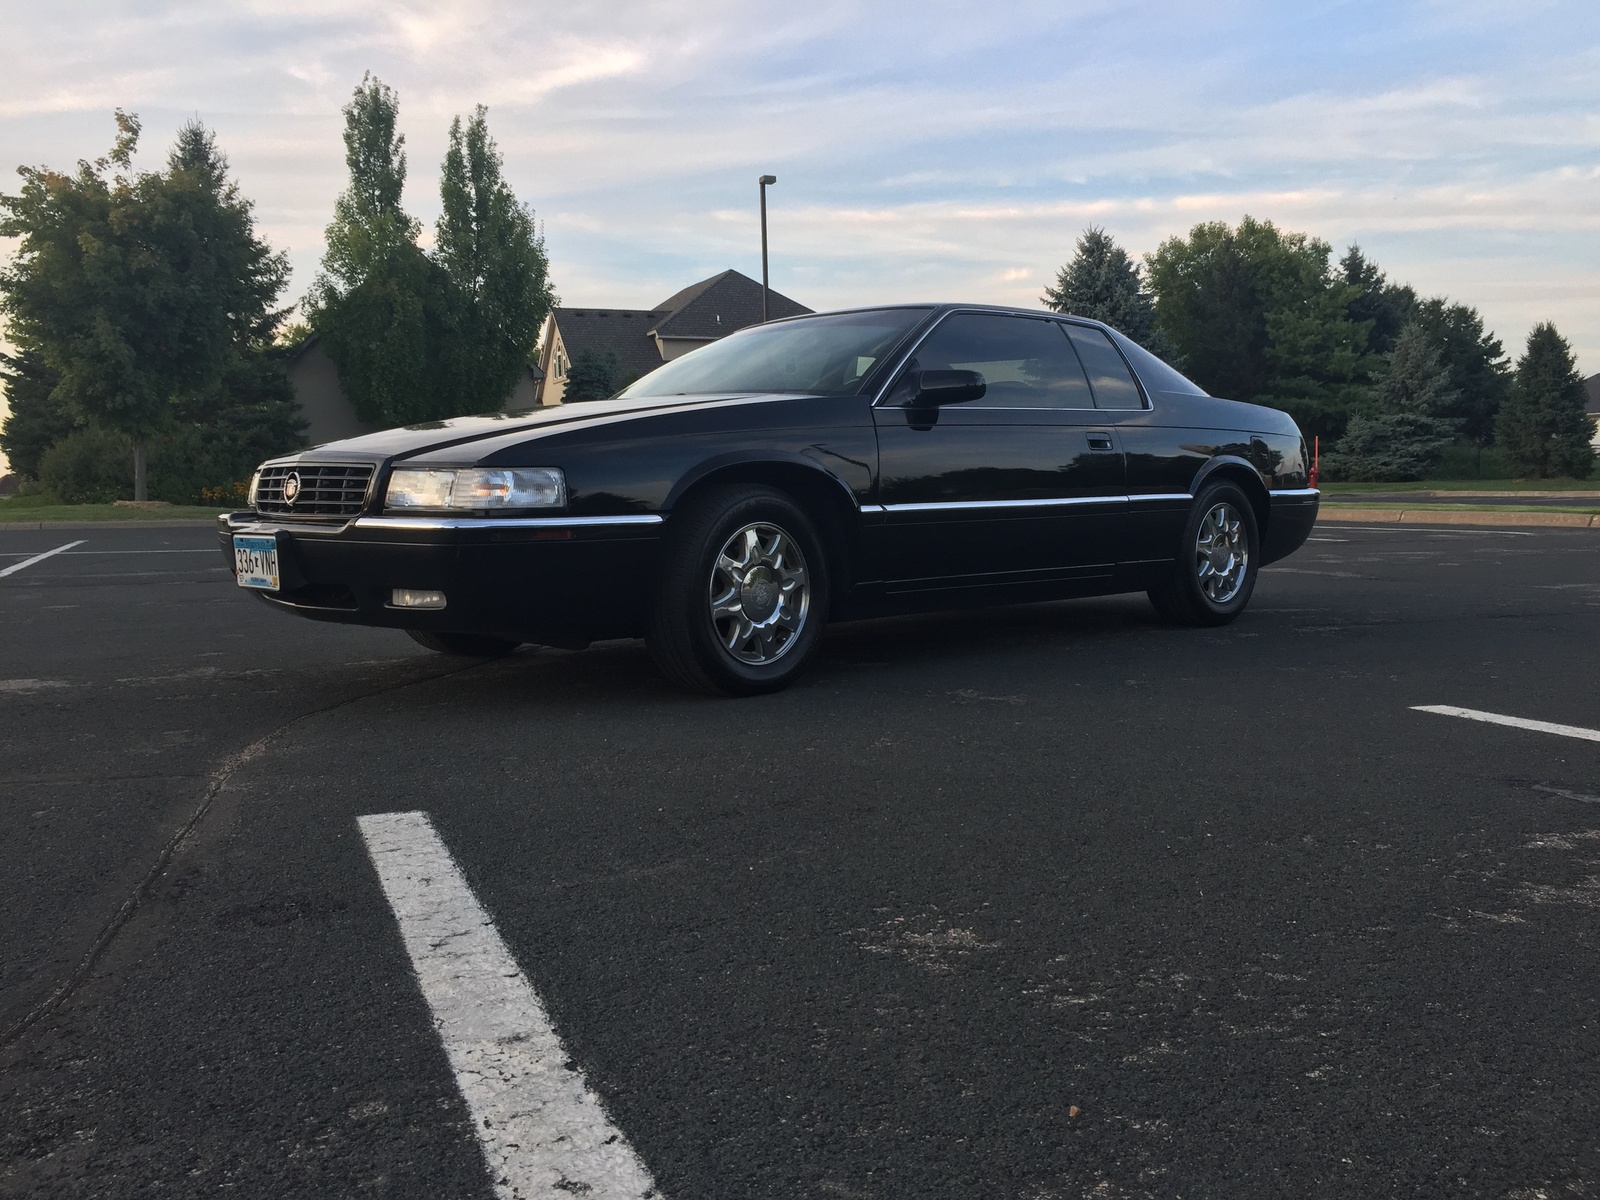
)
(717, 306)
(702, 311)
(624, 331)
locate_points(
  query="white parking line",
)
(542, 1131)
(1472, 714)
(28, 562)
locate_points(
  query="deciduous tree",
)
(498, 279)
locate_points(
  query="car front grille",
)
(323, 489)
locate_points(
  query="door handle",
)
(1099, 441)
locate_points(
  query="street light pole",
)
(765, 286)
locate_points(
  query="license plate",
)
(255, 561)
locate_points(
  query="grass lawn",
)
(45, 508)
(1465, 485)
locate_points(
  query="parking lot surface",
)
(1049, 901)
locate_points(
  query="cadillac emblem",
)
(291, 487)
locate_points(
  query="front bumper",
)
(528, 578)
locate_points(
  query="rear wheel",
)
(743, 596)
(467, 645)
(1215, 571)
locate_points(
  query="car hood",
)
(408, 440)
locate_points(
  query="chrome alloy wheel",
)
(1221, 553)
(759, 593)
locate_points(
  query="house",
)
(643, 339)
(1592, 386)
(331, 417)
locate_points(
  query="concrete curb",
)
(1424, 516)
(132, 523)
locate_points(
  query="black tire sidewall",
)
(722, 516)
(1205, 610)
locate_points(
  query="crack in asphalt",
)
(219, 780)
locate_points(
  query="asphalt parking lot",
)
(1043, 902)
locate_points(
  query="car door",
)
(1022, 486)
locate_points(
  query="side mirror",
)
(935, 388)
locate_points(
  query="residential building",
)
(1592, 386)
(644, 338)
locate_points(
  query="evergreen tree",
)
(378, 303)
(1542, 427)
(593, 376)
(1388, 307)
(498, 282)
(137, 290)
(1257, 314)
(1404, 435)
(38, 418)
(1102, 283)
(1479, 372)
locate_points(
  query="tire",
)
(1218, 556)
(467, 645)
(743, 593)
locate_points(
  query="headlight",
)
(255, 483)
(476, 488)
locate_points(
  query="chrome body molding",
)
(984, 505)
(429, 523)
(1173, 497)
(1290, 492)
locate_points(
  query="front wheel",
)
(743, 595)
(467, 645)
(1215, 572)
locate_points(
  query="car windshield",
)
(819, 356)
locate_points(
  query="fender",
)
(744, 458)
(1216, 463)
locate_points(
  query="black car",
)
(826, 467)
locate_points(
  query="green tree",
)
(38, 419)
(1102, 283)
(1257, 314)
(1404, 433)
(137, 289)
(593, 376)
(378, 302)
(1542, 427)
(493, 260)
(1385, 307)
(1479, 372)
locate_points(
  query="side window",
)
(1113, 384)
(1025, 362)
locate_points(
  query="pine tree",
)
(493, 260)
(1542, 427)
(1385, 307)
(1102, 283)
(1404, 435)
(378, 302)
(38, 418)
(1476, 362)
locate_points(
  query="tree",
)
(593, 376)
(378, 302)
(1542, 427)
(1103, 283)
(1404, 435)
(38, 419)
(137, 289)
(1257, 314)
(1384, 307)
(1476, 361)
(498, 281)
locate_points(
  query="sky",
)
(926, 150)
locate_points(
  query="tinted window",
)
(1156, 375)
(1113, 384)
(819, 356)
(1026, 363)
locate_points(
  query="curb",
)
(131, 523)
(1422, 516)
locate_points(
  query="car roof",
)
(941, 307)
